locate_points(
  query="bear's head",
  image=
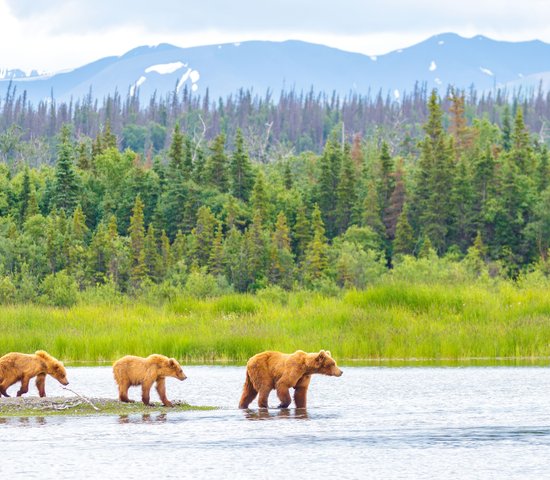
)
(54, 367)
(172, 368)
(326, 365)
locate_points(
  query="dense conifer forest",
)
(303, 191)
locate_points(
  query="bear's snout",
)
(339, 373)
(65, 381)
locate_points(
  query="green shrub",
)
(59, 290)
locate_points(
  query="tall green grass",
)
(389, 321)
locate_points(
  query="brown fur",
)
(21, 367)
(131, 371)
(275, 370)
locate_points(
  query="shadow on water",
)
(280, 413)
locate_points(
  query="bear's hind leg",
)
(3, 389)
(263, 398)
(123, 392)
(24, 386)
(249, 393)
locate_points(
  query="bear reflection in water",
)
(281, 413)
(143, 418)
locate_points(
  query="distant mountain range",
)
(260, 65)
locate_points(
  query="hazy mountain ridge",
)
(261, 66)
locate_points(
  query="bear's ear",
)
(322, 355)
(172, 362)
(328, 353)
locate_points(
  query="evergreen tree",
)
(316, 259)
(202, 236)
(24, 196)
(216, 168)
(506, 129)
(287, 176)
(281, 261)
(138, 272)
(151, 253)
(330, 163)
(404, 242)
(396, 202)
(242, 176)
(432, 202)
(259, 198)
(346, 195)
(216, 259)
(66, 186)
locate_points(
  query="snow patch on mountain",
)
(164, 68)
(135, 86)
(486, 71)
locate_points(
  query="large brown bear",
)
(268, 370)
(15, 367)
(131, 371)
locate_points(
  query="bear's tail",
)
(249, 392)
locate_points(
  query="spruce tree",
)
(281, 262)
(216, 168)
(316, 259)
(330, 164)
(24, 196)
(404, 242)
(138, 271)
(259, 198)
(346, 195)
(216, 259)
(66, 186)
(202, 236)
(242, 176)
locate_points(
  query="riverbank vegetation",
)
(437, 319)
(435, 246)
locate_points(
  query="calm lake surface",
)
(373, 422)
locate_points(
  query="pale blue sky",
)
(57, 34)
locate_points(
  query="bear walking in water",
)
(15, 367)
(131, 371)
(275, 370)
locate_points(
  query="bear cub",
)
(132, 371)
(15, 367)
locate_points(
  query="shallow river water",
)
(373, 422)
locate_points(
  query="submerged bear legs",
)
(249, 392)
(284, 396)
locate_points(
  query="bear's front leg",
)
(284, 396)
(161, 389)
(24, 386)
(145, 392)
(300, 391)
(41, 384)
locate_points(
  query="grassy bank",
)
(391, 321)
